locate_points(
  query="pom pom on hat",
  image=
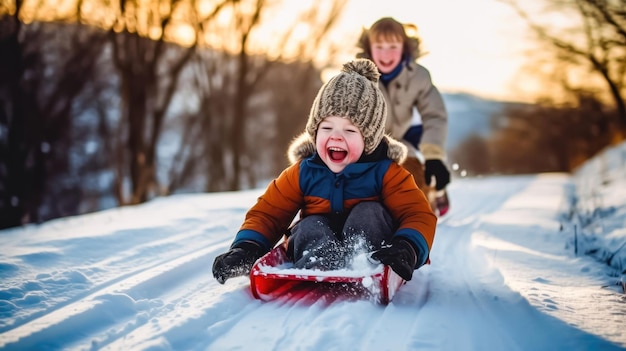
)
(353, 94)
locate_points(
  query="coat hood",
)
(303, 147)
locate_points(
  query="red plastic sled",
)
(272, 276)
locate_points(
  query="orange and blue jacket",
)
(311, 188)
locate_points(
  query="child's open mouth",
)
(336, 154)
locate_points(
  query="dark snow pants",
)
(314, 245)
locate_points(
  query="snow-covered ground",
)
(508, 273)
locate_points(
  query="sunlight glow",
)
(183, 34)
(475, 47)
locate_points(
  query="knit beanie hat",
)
(353, 94)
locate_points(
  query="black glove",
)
(439, 170)
(237, 261)
(400, 256)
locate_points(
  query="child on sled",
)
(347, 184)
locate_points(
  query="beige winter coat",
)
(414, 87)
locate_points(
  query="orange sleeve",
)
(408, 204)
(276, 208)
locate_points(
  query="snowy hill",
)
(508, 273)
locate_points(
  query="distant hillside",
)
(469, 115)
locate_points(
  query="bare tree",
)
(597, 42)
(44, 70)
(14, 115)
(247, 99)
(149, 69)
(251, 69)
(254, 92)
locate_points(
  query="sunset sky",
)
(473, 46)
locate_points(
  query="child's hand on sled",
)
(400, 256)
(237, 261)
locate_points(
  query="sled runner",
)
(273, 276)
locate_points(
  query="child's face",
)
(338, 143)
(386, 52)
